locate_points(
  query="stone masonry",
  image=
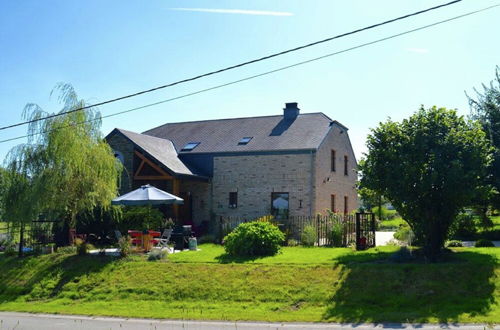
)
(255, 177)
(336, 183)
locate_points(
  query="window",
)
(332, 201)
(279, 204)
(346, 165)
(233, 200)
(333, 161)
(346, 204)
(190, 146)
(245, 140)
(119, 156)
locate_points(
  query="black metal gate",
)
(365, 230)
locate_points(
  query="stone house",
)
(290, 164)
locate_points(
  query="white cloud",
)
(418, 50)
(237, 11)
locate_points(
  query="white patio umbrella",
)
(147, 195)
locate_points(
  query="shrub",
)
(82, 248)
(124, 244)
(292, 242)
(141, 217)
(484, 243)
(66, 250)
(157, 254)
(309, 236)
(255, 238)
(453, 243)
(336, 235)
(463, 227)
(404, 234)
(385, 213)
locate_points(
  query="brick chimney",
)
(291, 111)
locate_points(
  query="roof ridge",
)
(145, 135)
(223, 119)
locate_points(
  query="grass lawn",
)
(301, 284)
(393, 224)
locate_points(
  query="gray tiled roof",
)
(270, 133)
(161, 149)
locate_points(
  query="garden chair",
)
(136, 237)
(164, 238)
(118, 235)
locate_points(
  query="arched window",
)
(119, 156)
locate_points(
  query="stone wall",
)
(336, 183)
(255, 177)
(122, 145)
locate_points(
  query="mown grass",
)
(392, 224)
(301, 284)
(212, 253)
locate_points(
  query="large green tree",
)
(68, 165)
(429, 166)
(486, 108)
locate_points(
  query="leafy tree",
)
(4, 182)
(429, 166)
(68, 164)
(486, 108)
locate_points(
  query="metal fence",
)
(331, 230)
(34, 236)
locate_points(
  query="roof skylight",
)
(245, 140)
(190, 146)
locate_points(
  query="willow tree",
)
(68, 164)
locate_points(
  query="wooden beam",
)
(152, 177)
(153, 165)
(141, 165)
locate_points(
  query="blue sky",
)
(110, 48)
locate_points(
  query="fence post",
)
(373, 229)
(358, 231)
(317, 227)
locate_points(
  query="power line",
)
(233, 66)
(269, 72)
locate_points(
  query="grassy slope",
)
(316, 284)
(391, 224)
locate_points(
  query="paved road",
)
(22, 321)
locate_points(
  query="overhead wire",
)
(234, 66)
(271, 71)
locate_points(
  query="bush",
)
(464, 227)
(66, 250)
(484, 243)
(309, 236)
(453, 243)
(385, 213)
(336, 235)
(125, 246)
(292, 242)
(140, 218)
(82, 248)
(157, 254)
(255, 238)
(404, 234)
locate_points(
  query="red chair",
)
(136, 237)
(154, 235)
